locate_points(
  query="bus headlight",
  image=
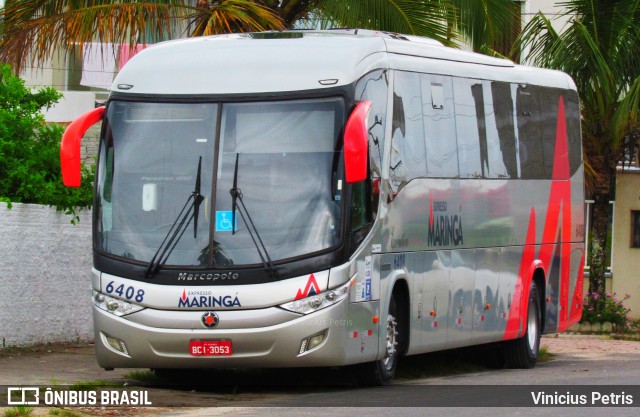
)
(114, 305)
(319, 301)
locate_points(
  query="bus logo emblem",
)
(210, 319)
(312, 288)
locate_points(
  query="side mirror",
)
(70, 146)
(356, 143)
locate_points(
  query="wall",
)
(71, 105)
(551, 9)
(45, 270)
(626, 260)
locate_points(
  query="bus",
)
(331, 198)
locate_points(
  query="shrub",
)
(30, 150)
(601, 308)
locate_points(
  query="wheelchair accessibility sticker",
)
(223, 221)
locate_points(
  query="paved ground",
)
(576, 360)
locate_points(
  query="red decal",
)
(311, 288)
(459, 322)
(481, 318)
(528, 257)
(370, 333)
(430, 212)
(435, 324)
(184, 295)
(576, 303)
(559, 203)
(355, 334)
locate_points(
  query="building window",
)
(635, 229)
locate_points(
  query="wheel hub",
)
(391, 351)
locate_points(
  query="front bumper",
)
(275, 345)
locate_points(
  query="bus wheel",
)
(381, 372)
(523, 353)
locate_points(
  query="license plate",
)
(220, 347)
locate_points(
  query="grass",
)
(90, 385)
(18, 411)
(144, 376)
(63, 413)
(544, 355)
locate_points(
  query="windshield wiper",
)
(179, 226)
(236, 195)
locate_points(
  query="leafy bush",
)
(30, 150)
(599, 308)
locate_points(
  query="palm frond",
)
(234, 16)
(412, 17)
(34, 30)
(487, 23)
(626, 115)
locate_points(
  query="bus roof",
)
(270, 62)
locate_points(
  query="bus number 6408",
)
(127, 292)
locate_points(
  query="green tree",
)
(34, 29)
(30, 149)
(600, 48)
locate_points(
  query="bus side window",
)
(572, 112)
(548, 119)
(529, 132)
(407, 159)
(470, 128)
(439, 126)
(364, 201)
(502, 102)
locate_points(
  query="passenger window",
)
(470, 128)
(549, 124)
(529, 132)
(503, 117)
(572, 112)
(439, 126)
(407, 159)
(372, 87)
(495, 166)
(479, 146)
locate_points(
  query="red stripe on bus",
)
(559, 202)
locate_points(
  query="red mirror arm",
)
(70, 146)
(356, 137)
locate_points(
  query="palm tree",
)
(489, 26)
(600, 48)
(33, 30)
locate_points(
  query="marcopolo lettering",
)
(189, 276)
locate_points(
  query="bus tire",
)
(381, 372)
(522, 353)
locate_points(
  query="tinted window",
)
(373, 87)
(572, 110)
(549, 125)
(439, 125)
(502, 101)
(529, 132)
(470, 128)
(496, 158)
(407, 160)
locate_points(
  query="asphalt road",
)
(456, 379)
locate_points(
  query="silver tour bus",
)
(330, 198)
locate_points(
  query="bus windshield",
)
(281, 156)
